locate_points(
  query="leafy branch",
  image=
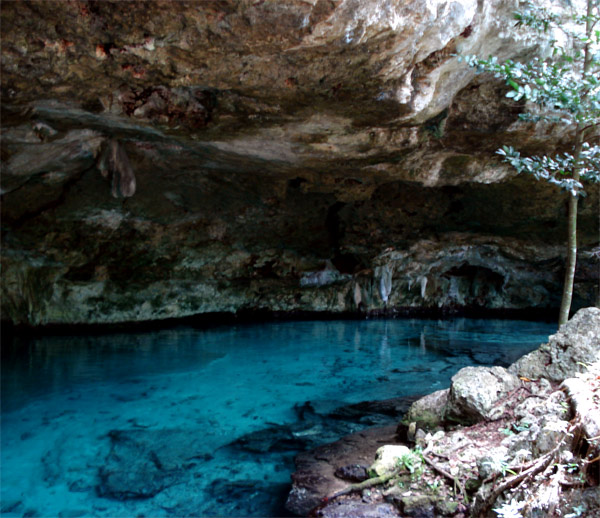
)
(565, 86)
(556, 169)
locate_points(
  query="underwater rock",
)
(73, 513)
(244, 498)
(142, 463)
(11, 506)
(393, 407)
(318, 423)
(274, 438)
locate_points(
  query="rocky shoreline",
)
(522, 441)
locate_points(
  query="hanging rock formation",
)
(264, 144)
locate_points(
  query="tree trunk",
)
(565, 305)
(571, 262)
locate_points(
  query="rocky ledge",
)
(168, 159)
(524, 441)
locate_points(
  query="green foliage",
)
(574, 468)
(578, 510)
(515, 428)
(565, 87)
(412, 461)
(556, 170)
(434, 486)
(500, 465)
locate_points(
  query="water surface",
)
(188, 422)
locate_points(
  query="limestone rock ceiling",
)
(171, 158)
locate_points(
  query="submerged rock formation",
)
(167, 159)
(530, 444)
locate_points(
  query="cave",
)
(213, 177)
(234, 232)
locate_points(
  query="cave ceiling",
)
(238, 146)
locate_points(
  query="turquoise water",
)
(189, 422)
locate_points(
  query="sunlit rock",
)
(475, 393)
(568, 352)
(388, 459)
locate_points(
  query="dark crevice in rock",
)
(334, 226)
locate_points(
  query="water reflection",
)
(36, 366)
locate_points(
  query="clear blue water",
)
(188, 422)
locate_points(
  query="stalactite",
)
(114, 164)
(384, 273)
(423, 287)
(357, 296)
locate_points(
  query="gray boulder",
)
(576, 344)
(476, 392)
(428, 411)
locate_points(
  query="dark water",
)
(188, 422)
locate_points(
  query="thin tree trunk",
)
(565, 305)
(571, 262)
(567, 296)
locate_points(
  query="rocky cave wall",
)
(168, 159)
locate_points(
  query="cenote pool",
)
(191, 422)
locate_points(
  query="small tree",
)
(566, 88)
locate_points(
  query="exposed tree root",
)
(375, 481)
(481, 507)
(382, 479)
(448, 475)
